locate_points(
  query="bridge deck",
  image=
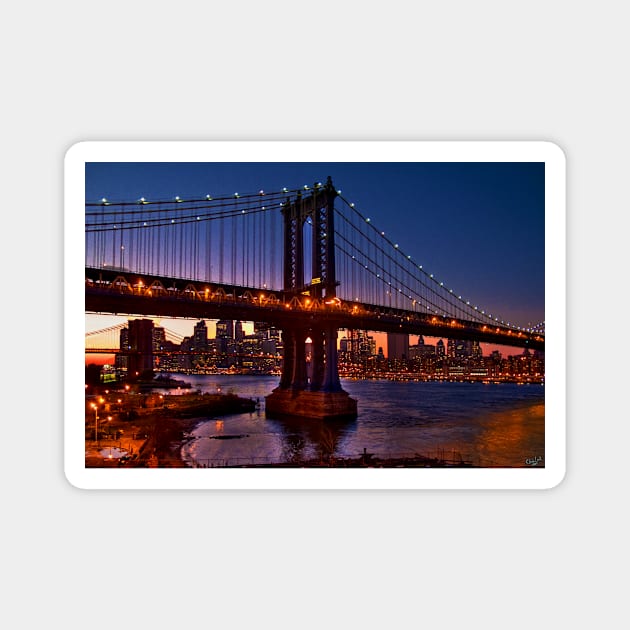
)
(117, 292)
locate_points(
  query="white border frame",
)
(310, 478)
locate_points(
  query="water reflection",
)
(513, 438)
(303, 438)
(490, 425)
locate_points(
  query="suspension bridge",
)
(304, 260)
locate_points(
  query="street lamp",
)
(95, 422)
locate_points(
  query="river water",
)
(485, 424)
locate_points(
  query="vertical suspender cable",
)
(221, 252)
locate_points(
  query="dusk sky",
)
(478, 227)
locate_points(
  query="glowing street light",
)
(95, 422)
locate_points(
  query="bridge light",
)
(142, 200)
(236, 195)
(305, 187)
(209, 197)
(104, 201)
(352, 205)
(198, 218)
(177, 199)
(396, 245)
(261, 192)
(382, 233)
(367, 220)
(284, 190)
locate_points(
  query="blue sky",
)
(478, 227)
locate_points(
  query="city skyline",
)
(185, 328)
(145, 350)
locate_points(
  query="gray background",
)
(328, 70)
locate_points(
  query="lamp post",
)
(95, 422)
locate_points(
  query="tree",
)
(93, 374)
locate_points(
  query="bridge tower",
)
(140, 352)
(321, 396)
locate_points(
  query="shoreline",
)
(154, 431)
(153, 436)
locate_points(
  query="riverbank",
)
(150, 430)
(367, 460)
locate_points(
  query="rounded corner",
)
(555, 150)
(557, 481)
(72, 480)
(73, 149)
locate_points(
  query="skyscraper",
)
(450, 348)
(159, 338)
(397, 346)
(225, 329)
(439, 349)
(200, 336)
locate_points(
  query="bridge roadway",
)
(124, 292)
